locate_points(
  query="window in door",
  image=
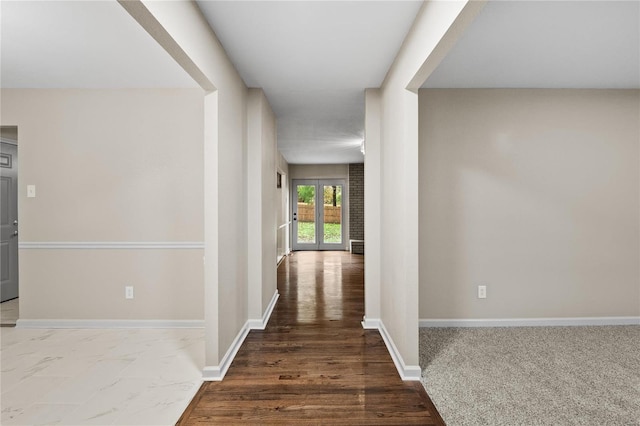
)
(318, 214)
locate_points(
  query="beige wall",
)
(372, 204)
(270, 202)
(89, 284)
(534, 193)
(109, 166)
(182, 30)
(232, 210)
(262, 203)
(319, 171)
(436, 28)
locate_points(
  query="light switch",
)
(31, 191)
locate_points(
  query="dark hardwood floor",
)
(314, 363)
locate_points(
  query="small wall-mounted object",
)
(31, 191)
(278, 180)
(482, 292)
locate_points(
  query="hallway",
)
(314, 363)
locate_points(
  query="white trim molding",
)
(216, 373)
(370, 324)
(407, 372)
(110, 245)
(261, 324)
(80, 324)
(530, 322)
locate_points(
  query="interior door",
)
(318, 214)
(8, 221)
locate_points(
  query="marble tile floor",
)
(9, 312)
(98, 376)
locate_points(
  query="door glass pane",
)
(306, 213)
(332, 214)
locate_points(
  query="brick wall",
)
(356, 206)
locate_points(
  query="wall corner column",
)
(372, 203)
(254, 199)
(212, 356)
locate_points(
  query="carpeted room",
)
(532, 191)
(533, 375)
(554, 243)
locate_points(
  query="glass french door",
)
(318, 214)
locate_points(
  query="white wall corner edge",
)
(212, 374)
(370, 323)
(261, 324)
(216, 373)
(81, 324)
(407, 372)
(529, 322)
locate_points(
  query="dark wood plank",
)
(314, 364)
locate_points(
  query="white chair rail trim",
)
(111, 245)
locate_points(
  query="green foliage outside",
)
(307, 232)
(328, 195)
(307, 193)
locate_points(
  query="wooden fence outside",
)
(331, 214)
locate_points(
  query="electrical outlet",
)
(128, 292)
(482, 292)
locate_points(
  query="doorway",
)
(8, 217)
(318, 214)
(282, 185)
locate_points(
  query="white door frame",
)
(319, 244)
(10, 286)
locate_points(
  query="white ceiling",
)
(547, 44)
(313, 60)
(80, 44)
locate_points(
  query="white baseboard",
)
(370, 324)
(261, 324)
(46, 323)
(217, 372)
(530, 322)
(407, 372)
(288, 253)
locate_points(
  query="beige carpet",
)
(533, 375)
